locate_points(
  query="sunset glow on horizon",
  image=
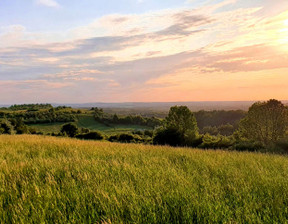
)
(69, 51)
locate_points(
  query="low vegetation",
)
(63, 180)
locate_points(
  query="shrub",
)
(22, 130)
(210, 130)
(84, 130)
(217, 142)
(32, 131)
(6, 127)
(91, 136)
(193, 141)
(138, 132)
(125, 138)
(281, 146)
(248, 146)
(148, 133)
(69, 129)
(168, 136)
(113, 138)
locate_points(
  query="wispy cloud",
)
(183, 54)
(48, 3)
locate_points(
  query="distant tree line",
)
(39, 113)
(218, 117)
(263, 128)
(219, 122)
(110, 120)
(30, 107)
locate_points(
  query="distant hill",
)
(164, 106)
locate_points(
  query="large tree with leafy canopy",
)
(180, 127)
(265, 122)
(180, 118)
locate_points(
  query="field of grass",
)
(88, 121)
(48, 127)
(59, 180)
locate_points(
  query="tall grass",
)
(54, 180)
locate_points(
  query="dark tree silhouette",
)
(69, 129)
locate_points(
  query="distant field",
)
(88, 121)
(60, 180)
(48, 128)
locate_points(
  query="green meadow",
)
(88, 121)
(60, 180)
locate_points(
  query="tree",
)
(115, 119)
(180, 128)
(226, 129)
(5, 127)
(19, 126)
(99, 113)
(265, 122)
(181, 119)
(70, 129)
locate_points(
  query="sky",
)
(72, 51)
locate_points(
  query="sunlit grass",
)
(61, 180)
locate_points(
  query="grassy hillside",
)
(88, 121)
(58, 180)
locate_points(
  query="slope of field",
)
(57, 180)
(88, 121)
(48, 127)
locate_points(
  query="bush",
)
(226, 129)
(32, 131)
(148, 133)
(138, 132)
(281, 146)
(193, 141)
(6, 127)
(91, 136)
(22, 130)
(126, 138)
(168, 136)
(210, 130)
(113, 138)
(69, 129)
(84, 130)
(217, 142)
(248, 146)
